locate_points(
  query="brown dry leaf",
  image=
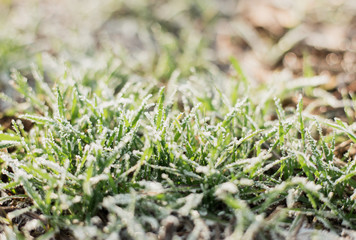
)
(269, 15)
(345, 147)
(6, 123)
(224, 43)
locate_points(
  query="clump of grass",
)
(139, 161)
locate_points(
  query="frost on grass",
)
(132, 164)
(226, 188)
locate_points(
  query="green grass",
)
(147, 138)
(103, 162)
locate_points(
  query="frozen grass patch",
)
(140, 161)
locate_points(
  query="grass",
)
(158, 142)
(135, 162)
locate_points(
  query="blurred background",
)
(270, 38)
